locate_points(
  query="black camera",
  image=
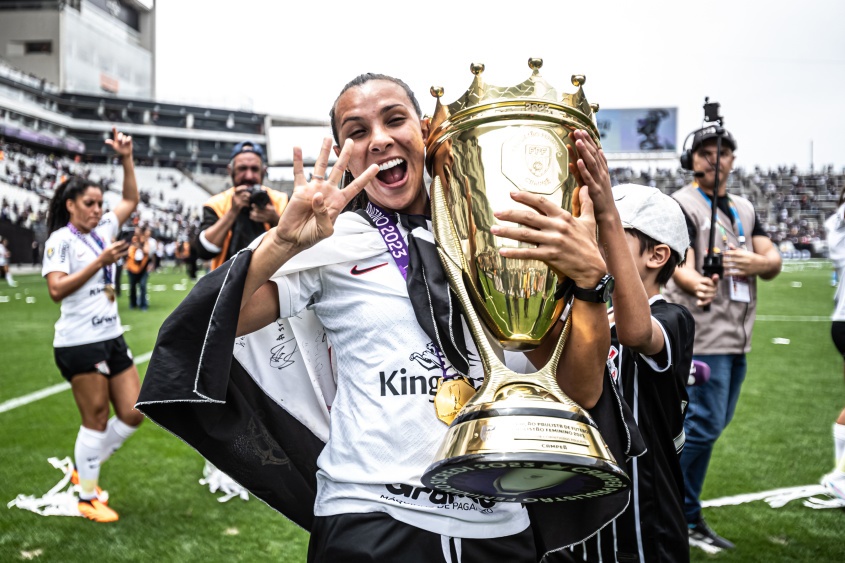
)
(257, 196)
(126, 235)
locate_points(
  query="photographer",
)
(723, 306)
(232, 219)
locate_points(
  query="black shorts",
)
(837, 332)
(109, 358)
(376, 537)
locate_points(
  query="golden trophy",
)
(519, 438)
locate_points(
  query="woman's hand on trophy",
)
(589, 166)
(566, 243)
(314, 205)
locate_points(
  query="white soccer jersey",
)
(835, 229)
(384, 432)
(87, 315)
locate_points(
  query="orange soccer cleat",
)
(97, 511)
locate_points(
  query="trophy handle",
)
(497, 375)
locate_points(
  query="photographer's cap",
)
(248, 146)
(654, 214)
(711, 132)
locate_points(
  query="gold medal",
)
(109, 291)
(452, 395)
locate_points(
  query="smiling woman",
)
(355, 268)
(383, 117)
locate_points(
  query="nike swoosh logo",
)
(356, 272)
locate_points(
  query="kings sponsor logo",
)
(398, 382)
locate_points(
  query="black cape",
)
(197, 390)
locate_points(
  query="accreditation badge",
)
(740, 289)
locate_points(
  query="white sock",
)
(838, 441)
(117, 432)
(89, 448)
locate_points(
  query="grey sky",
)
(776, 67)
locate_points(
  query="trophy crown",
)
(534, 95)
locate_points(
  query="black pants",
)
(376, 537)
(837, 333)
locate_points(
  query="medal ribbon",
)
(389, 231)
(107, 270)
(398, 248)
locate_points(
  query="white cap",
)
(654, 214)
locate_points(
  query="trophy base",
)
(524, 450)
(558, 477)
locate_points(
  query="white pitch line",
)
(52, 390)
(796, 318)
(749, 497)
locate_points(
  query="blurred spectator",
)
(138, 267)
(5, 262)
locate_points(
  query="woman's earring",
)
(346, 179)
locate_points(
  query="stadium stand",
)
(792, 204)
(171, 203)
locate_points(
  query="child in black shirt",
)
(644, 236)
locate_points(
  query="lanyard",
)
(107, 277)
(734, 214)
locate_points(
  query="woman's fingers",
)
(341, 163)
(539, 203)
(322, 217)
(524, 217)
(520, 234)
(322, 159)
(354, 188)
(298, 170)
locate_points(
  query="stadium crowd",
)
(29, 177)
(792, 204)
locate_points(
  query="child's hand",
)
(589, 166)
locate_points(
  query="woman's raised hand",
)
(122, 144)
(314, 206)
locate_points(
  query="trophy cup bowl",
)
(519, 438)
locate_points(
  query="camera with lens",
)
(126, 234)
(258, 197)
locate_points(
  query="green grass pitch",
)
(780, 437)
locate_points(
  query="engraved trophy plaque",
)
(519, 438)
